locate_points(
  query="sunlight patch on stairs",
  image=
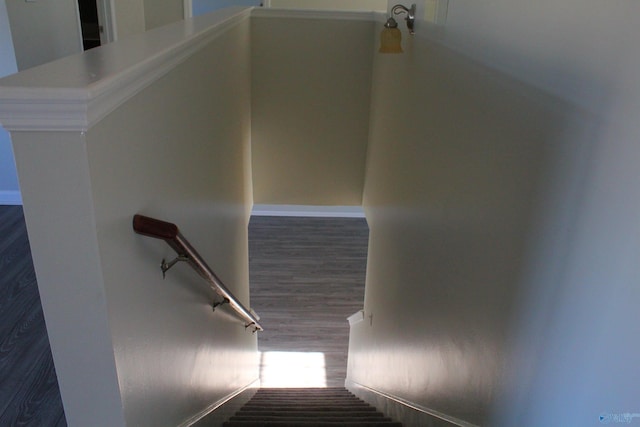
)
(280, 369)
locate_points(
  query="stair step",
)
(310, 424)
(303, 390)
(305, 397)
(309, 402)
(307, 405)
(313, 414)
(318, 418)
(303, 393)
(349, 399)
(308, 408)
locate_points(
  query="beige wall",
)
(158, 13)
(455, 161)
(43, 31)
(311, 80)
(503, 216)
(129, 16)
(204, 187)
(131, 348)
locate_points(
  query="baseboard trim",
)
(308, 211)
(218, 412)
(408, 413)
(349, 15)
(10, 198)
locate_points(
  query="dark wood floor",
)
(29, 394)
(307, 276)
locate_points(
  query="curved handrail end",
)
(152, 227)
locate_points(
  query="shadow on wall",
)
(470, 203)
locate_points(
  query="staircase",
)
(310, 407)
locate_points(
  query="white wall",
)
(202, 185)
(9, 188)
(129, 17)
(7, 53)
(503, 217)
(131, 348)
(43, 31)
(57, 34)
(455, 163)
(31, 34)
(573, 348)
(311, 80)
(158, 13)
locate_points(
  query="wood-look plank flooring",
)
(307, 276)
(29, 393)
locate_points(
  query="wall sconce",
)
(391, 37)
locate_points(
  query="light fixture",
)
(391, 37)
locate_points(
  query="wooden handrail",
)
(154, 227)
(170, 233)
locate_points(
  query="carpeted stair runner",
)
(308, 407)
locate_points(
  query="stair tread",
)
(315, 418)
(305, 399)
(307, 404)
(290, 414)
(310, 423)
(308, 408)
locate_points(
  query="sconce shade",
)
(390, 40)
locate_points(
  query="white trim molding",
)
(340, 15)
(308, 211)
(224, 408)
(107, 19)
(76, 92)
(187, 8)
(10, 197)
(408, 413)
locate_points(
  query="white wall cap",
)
(75, 92)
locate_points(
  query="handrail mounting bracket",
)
(166, 266)
(152, 227)
(217, 304)
(255, 327)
